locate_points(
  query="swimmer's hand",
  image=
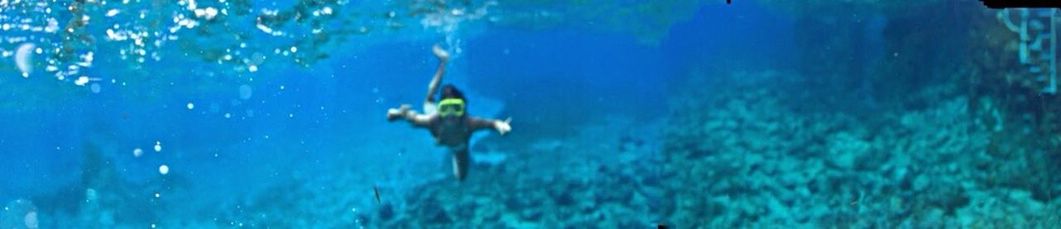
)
(441, 53)
(402, 111)
(503, 127)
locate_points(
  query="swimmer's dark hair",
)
(451, 92)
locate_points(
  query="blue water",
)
(624, 114)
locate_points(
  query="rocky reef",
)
(613, 182)
(746, 154)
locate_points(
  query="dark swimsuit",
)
(456, 138)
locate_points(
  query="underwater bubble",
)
(19, 213)
(163, 169)
(228, 115)
(191, 105)
(31, 220)
(158, 146)
(138, 152)
(95, 88)
(245, 92)
(256, 59)
(91, 195)
(23, 58)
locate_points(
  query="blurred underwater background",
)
(625, 114)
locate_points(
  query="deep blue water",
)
(327, 119)
(593, 90)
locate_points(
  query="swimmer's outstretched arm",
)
(443, 58)
(501, 126)
(406, 113)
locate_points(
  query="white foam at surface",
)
(191, 4)
(81, 81)
(206, 13)
(266, 29)
(53, 26)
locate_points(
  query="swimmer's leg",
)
(461, 159)
(432, 88)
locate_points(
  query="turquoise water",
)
(624, 114)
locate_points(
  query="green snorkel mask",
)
(451, 107)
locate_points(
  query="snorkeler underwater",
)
(529, 114)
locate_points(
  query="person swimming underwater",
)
(448, 120)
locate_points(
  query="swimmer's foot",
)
(441, 53)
